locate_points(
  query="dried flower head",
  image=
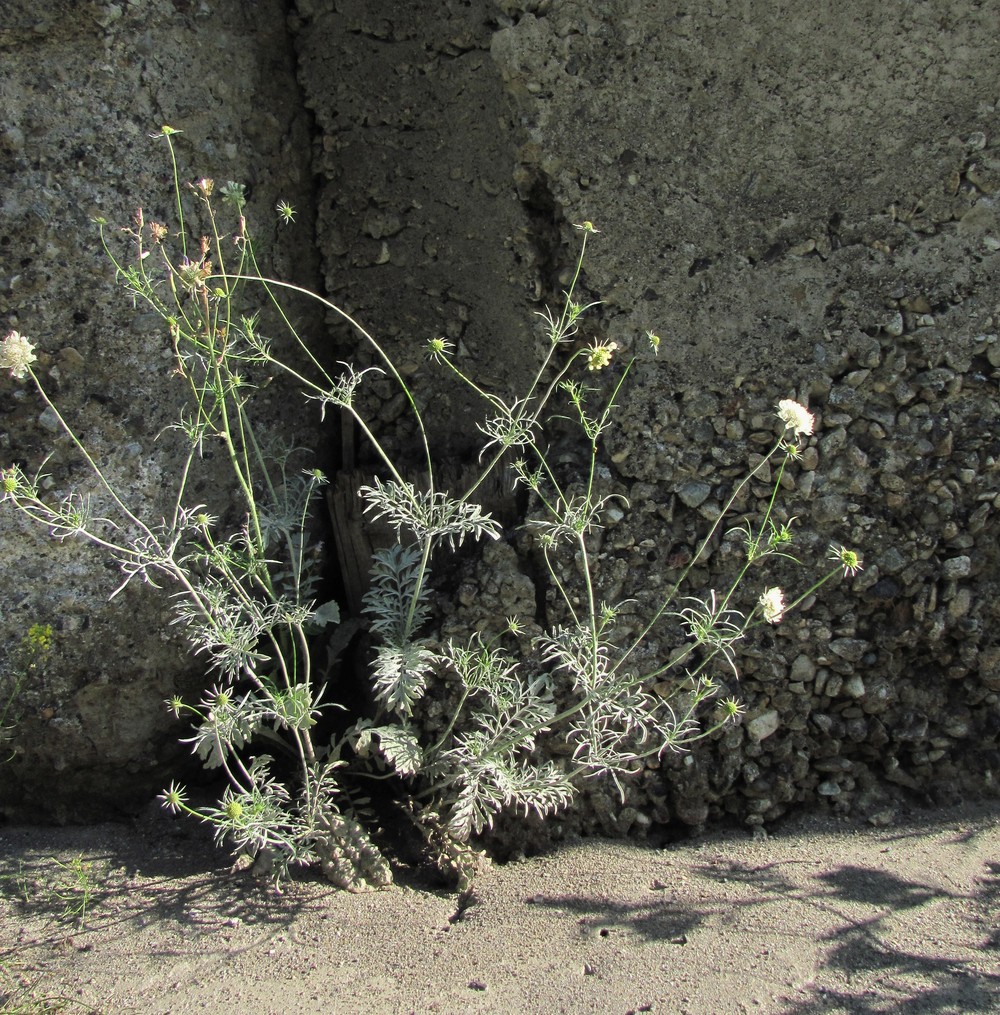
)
(16, 354)
(194, 274)
(849, 559)
(772, 605)
(796, 417)
(173, 798)
(285, 212)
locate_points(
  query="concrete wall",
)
(800, 203)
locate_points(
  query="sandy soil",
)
(820, 917)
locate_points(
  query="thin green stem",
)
(380, 352)
(177, 193)
(668, 600)
(95, 468)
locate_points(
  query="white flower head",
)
(16, 354)
(772, 605)
(796, 417)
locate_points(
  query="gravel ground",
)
(822, 916)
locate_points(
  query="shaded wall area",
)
(82, 88)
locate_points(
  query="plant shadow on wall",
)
(529, 713)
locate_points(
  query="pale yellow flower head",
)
(796, 417)
(16, 354)
(600, 355)
(772, 605)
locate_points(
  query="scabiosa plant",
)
(248, 600)
(580, 681)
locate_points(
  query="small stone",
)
(13, 137)
(70, 360)
(763, 725)
(960, 604)
(833, 442)
(823, 722)
(957, 567)
(108, 15)
(894, 326)
(892, 561)
(49, 420)
(694, 493)
(613, 514)
(828, 788)
(380, 225)
(803, 668)
(851, 649)
(882, 817)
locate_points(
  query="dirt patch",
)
(823, 916)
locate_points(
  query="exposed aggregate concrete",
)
(800, 204)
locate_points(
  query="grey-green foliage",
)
(247, 598)
(527, 723)
(398, 604)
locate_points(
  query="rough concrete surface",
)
(801, 203)
(82, 88)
